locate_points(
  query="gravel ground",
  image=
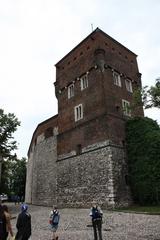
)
(75, 224)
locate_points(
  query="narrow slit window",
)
(126, 108)
(116, 79)
(84, 82)
(128, 85)
(70, 91)
(78, 112)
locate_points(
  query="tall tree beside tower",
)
(8, 125)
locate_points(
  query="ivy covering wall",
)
(143, 151)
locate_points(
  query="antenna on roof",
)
(92, 27)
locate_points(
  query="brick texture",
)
(73, 162)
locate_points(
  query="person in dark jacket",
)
(2, 224)
(96, 215)
(23, 224)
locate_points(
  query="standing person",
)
(18, 199)
(54, 222)
(22, 199)
(1, 220)
(2, 224)
(8, 222)
(96, 214)
(23, 224)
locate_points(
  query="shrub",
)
(143, 154)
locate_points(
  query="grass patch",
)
(141, 209)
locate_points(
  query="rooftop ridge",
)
(92, 33)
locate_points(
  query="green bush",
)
(143, 153)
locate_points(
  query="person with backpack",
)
(23, 224)
(54, 222)
(96, 214)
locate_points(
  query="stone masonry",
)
(79, 155)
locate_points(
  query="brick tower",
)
(94, 87)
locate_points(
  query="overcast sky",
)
(36, 34)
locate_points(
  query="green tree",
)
(147, 96)
(14, 177)
(154, 95)
(143, 151)
(8, 125)
(19, 177)
(5, 176)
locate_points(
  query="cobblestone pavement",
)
(75, 224)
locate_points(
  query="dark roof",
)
(90, 35)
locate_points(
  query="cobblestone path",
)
(75, 224)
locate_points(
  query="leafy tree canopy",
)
(143, 151)
(148, 96)
(14, 177)
(8, 125)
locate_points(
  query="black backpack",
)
(96, 214)
(55, 218)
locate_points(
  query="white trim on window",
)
(117, 78)
(78, 112)
(128, 84)
(84, 82)
(126, 107)
(70, 91)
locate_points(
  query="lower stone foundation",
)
(72, 180)
(97, 174)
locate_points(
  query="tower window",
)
(84, 82)
(78, 112)
(128, 85)
(78, 149)
(126, 108)
(70, 91)
(116, 79)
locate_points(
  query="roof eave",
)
(90, 35)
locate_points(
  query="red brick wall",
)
(90, 132)
(102, 99)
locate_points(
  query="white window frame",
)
(126, 107)
(117, 79)
(78, 112)
(70, 91)
(84, 82)
(128, 84)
